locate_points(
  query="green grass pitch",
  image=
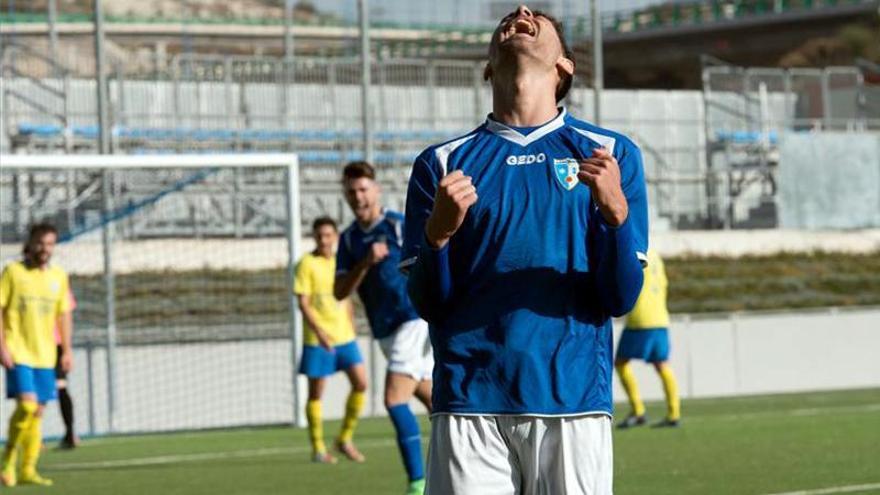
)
(752, 445)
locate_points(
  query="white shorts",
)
(408, 350)
(520, 455)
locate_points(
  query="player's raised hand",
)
(378, 252)
(601, 174)
(455, 194)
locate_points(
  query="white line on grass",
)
(206, 456)
(813, 411)
(834, 489)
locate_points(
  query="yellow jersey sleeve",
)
(302, 279)
(5, 287)
(650, 310)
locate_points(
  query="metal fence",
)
(709, 156)
(748, 111)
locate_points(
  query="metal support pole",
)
(287, 63)
(293, 236)
(100, 63)
(110, 295)
(91, 387)
(363, 12)
(53, 34)
(598, 76)
(288, 30)
(107, 193)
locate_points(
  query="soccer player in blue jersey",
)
(523, 237)
(366, 260)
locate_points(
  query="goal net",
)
(181, 267)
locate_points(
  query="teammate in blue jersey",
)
(523, 237)
(366, 260)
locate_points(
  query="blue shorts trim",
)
(318, 362)
(651, 345)
(27, 380)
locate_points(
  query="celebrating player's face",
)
(40, 250)
(522, 31)
(362, 196)
(325, 239)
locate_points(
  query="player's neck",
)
(371, 220)
(31, 263)
(328, 253)
(524, 99)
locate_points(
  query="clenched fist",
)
(455, 194)
(601, 174)
(378, 252)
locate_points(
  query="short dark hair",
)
(567, 79)
(36, 232)
(322, 221)
(358, 170)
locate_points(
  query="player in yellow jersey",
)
(34, 299)
(646, 337)
(329, 342)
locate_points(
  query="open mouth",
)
(522, 26)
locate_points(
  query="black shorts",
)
(60, 374)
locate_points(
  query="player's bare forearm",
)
(349, 308)
(348, 282)
(5, 356)
(65, 325)
(305, 305)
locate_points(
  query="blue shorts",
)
(651, 345)
(27, 380)
(318, 362)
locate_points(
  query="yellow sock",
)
(32, 444)
(19, 426)
(670, 387)
(628, 380)
(316, 427)
(353, 407)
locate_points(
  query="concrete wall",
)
(85, 256)
(212, 385)
(829, 180)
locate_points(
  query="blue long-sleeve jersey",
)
(519, 301)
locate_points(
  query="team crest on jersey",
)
(566, 170)
(54, 286)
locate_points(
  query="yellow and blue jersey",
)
(519, 300)
(32, 299)
(383, 290)
(650, 311)
(314, 278)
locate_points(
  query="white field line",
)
(207, 456)
(834, 489)
(812, 411)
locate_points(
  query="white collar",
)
(515, 136)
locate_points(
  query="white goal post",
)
(182, 265)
